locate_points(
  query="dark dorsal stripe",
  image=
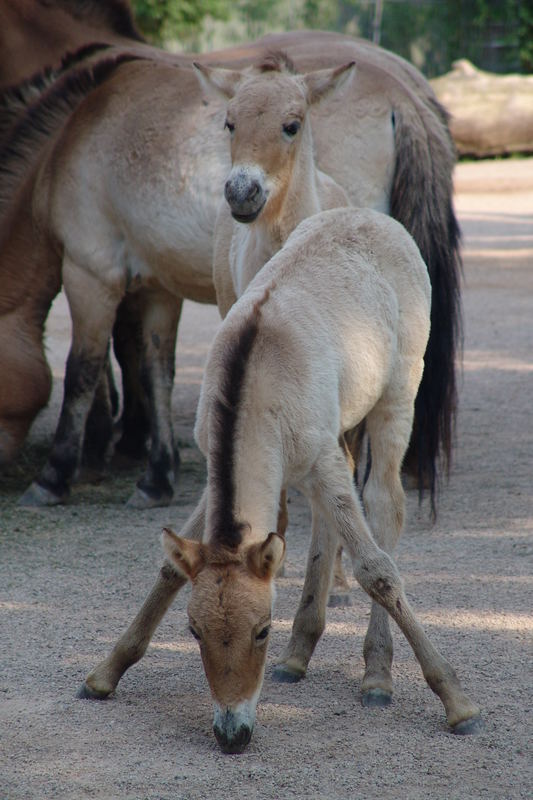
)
(42, 118)
(225, 530)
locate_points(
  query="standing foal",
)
(332, 331)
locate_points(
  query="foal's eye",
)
(196, 635)
(230, 126)
(263, 633)
(292, 128)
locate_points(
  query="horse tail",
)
(421, 199)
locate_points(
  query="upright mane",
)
(14, 100)
(43, 117)
(276, 61)
(225, 529)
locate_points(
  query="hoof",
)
(468, 727)
(284, 674)
(340, 600)
(141, 499)
(36, 496)
(376, 698)
(86, 693)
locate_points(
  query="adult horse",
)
(42, 43)
(155, 176)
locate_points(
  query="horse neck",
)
(245, 475)
(300, 198)
(253, 245)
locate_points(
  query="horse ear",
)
(221, 82)
(186, 555)
(323, 81)
(264, 558)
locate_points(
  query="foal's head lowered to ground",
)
(230, 613)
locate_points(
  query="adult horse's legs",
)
(379, 577)
(160, 313)
(92, 308)
(132, 645)
(310, 618)
(128, 347)
(100, 422)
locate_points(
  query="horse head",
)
(266, 118)
(230, 614)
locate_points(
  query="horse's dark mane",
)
(14, 100)
(114, 15)
(225, 530)
(277, 61)
(40, 119)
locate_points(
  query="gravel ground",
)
(71, 579)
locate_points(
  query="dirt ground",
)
(71, 579)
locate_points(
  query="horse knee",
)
(381, 581)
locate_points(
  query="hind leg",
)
(352, 444)
(389, 426)
(160, 313)
(92, 307)
(379, 577)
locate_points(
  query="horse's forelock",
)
(277, 61)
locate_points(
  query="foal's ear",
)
(222, 82)
(323, 81)
(186, 555)
(265, 557)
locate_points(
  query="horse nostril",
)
(234, 742)
(254, 190)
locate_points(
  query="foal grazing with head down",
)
(331, 331)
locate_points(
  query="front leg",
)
(132, 645)
(160, 313)
(92, 307)
(310, 618)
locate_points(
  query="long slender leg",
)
(99, 426)
(160, 317)
(389, 426)
(310, 618)
(379, 577)
(352, 444)
(92, 307)
(133, 644)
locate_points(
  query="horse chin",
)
(247, 218)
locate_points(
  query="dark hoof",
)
(340, 600)
(141, 499)
(376, 698)
(468, 727)
(36, 496)
(283, 674)
(86, 693)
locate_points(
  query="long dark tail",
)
(421, 199)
